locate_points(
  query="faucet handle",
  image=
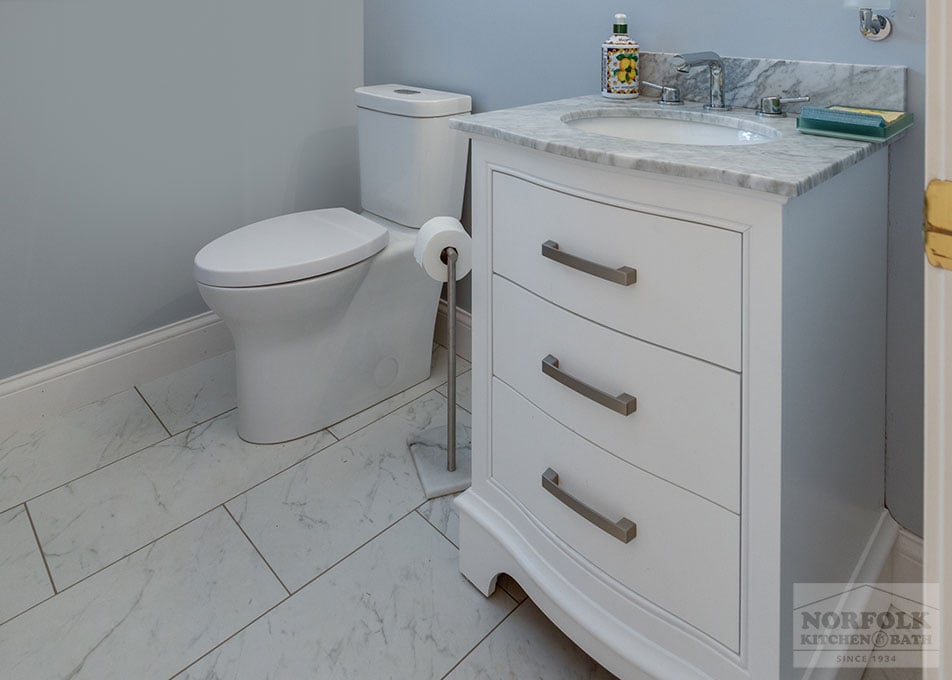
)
(670, 96)
(773, 105)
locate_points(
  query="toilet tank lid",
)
(415, 102)
(289, 248)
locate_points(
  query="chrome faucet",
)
(685, 62)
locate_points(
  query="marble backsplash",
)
(747, 80)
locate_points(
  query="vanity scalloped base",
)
(678, 408)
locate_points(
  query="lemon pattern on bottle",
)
(627, 71)
(621, 72)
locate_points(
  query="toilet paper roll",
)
(437, 234)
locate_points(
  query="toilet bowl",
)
(329, 311)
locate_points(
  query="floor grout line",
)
(440, 532)
(136, 452)
(334, 439)
(298, 590)
(114, 562)
(197, 517)
(295, 464)
(227, 500)
(368, 541)
(447, 397)
(86, 474)
(260, 554)
(231, 637)
(207, 420)
(436, 528)
(388, 413)
(39, 547)
(149, 406)
(205, 512)
(203, 422)
(485, 637)
(396, 408)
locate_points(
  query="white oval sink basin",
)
(701, 129)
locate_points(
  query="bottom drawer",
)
(685, 556)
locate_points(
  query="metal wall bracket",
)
(874, 26)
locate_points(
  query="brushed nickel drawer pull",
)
(624, 529)
(624, 276)
(624, 403)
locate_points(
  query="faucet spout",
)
(685, 62)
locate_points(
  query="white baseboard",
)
(464, 330)
(892, 555)
(874, 565)
(907, 558)
(101, 372)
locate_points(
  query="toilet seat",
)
(289, 248)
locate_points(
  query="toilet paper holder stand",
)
(450, 256)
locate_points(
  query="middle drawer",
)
(687, 419)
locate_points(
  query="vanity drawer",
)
(687, 295)
(685, 426)
(685, 555)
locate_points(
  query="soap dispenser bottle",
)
(620, 62)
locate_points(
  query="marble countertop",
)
(789, 165)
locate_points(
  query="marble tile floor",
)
(140, 538)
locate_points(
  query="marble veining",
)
(23, 578)
(789, 165)
(38, 456)
(193, 394)
(148, 615)
(317, 512)
(98, 519)
(441, 513)
(528, 645)
(749, 79)
(396, 608)
(430, 456)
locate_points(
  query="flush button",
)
(407, 91)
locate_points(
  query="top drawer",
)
(687, 296)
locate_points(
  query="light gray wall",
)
(508, 53)
(132, 132)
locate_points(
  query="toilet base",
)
(314, 352)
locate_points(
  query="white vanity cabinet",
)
(678, 404)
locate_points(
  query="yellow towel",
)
(888, 116)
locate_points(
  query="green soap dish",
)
(863, 127)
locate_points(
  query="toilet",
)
(329, 310)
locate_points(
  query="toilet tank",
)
(412, 165)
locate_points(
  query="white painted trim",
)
(907, 557)
(938, 336)
(873, 566)
(464, 330)
(98, 373)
